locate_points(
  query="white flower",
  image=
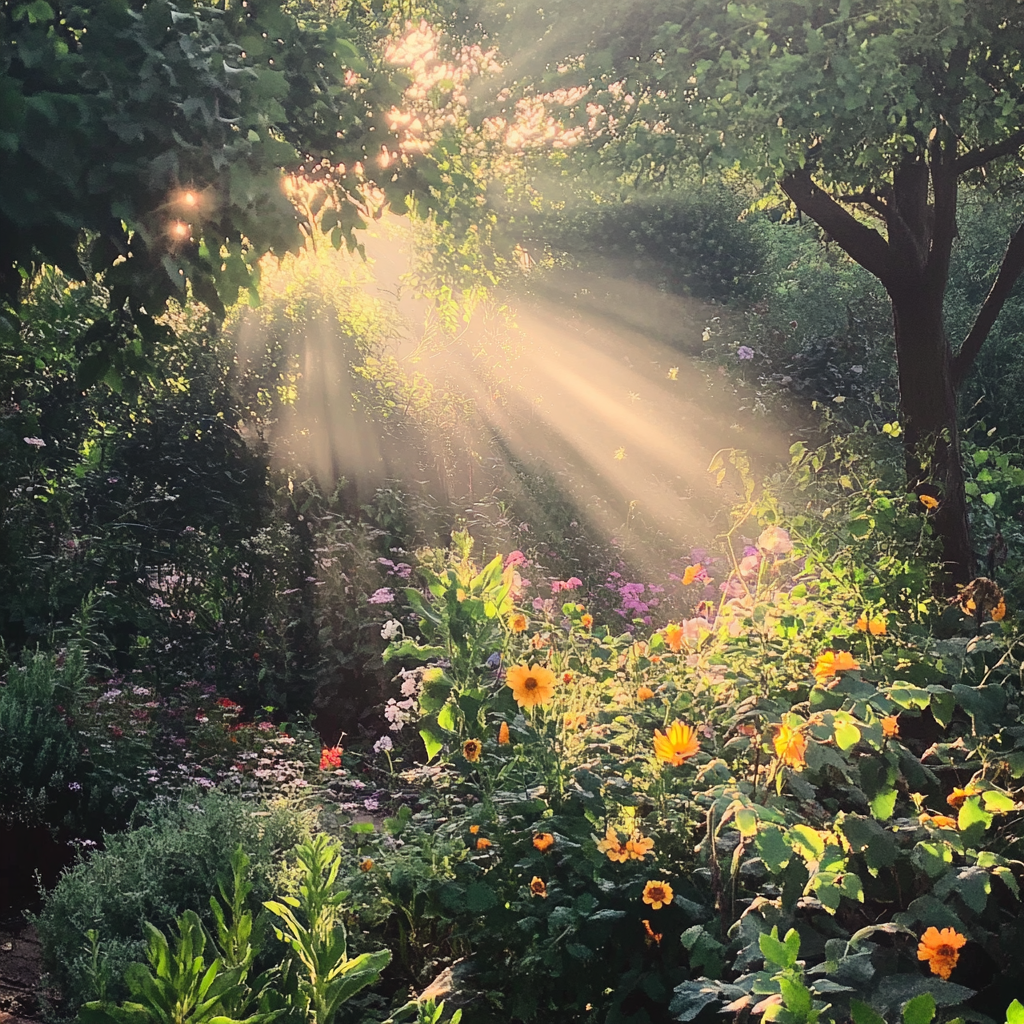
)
(36, 442)
(383, 744)
(391, 629)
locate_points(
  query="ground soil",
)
(21, 967)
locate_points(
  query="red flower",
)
(330, 757)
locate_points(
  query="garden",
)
(511, 514)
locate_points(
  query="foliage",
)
(164, 866)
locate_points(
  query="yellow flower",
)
(876, 627)
(482, 843)
(503, 736)
(691, 572)
(575, 721)
(472, 749)
(928, 501)
(791, 746)
(639, 847)
(676, 746)
(474, 829)
(831, 662)
(644, 693)
(543, 841)
(517, 623)
(657, 894)
(613, 847)
(587, 621)
(891, 726)
(538, 887)
(531, 685)
(366, 864)
(941, 949)
(674, 637)
(938, 820)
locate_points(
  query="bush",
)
(154, 873)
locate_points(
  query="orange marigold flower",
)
(674, 636)
(586, 621)
(543, 841)
(657, 894)
(677, 745)
(639, 847)
(941, 949)
(831, 662)
(517, 623)
(652, 935)
(656, 659)
(959, 796)
(876, 627)
(613, 847)
(531, 685)
(691, 572)
(366, 864)
(330, 757)
(928, 501)
(791, 746)
(473, 829)
(891, 726)
(503, 736)
(538, 887)
(999, 612)
(472, 749)
(938, 820)
(644, 693)
(482, 843)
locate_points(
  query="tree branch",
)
(980, 157)
(863, 244)
(872, 199)
(1009, 271)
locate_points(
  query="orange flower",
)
(958, 797)
(644, 693)
(366, 864)
(674, 637)
(531, 685)
(938, 820)
(575, 721)
(330, 757)
(691, 573)
(613, 847)
(639, 847)
(941, 949)
(503, 736)
(891, 726)
(586, 621)
(652, 935)
(538, 887)
(679, 744)
(473, 829)
(472, 749)
(831, 662)
(543, 841)
(791, 746)
(657, 894)
(482, 843)
(876, 627)
(928, 501)
(517, 623)
(656, 659)
(999, 612)
(566, 677)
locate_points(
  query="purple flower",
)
(382, 596)
(370, 804)
(385, 743)
(744, 352)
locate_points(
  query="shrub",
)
(154, 873)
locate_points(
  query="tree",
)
(870, 115)
(161, 132)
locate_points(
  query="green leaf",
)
(780, 953)
(431, 742)
(1015, 1013)
(847, 734)
(920, 1009)
(863, 1014)
(773, 849)
(972, 814)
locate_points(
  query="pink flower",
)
(382, 596)
(515, 558)
(36, 442)
(774, 541)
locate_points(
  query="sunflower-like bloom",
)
(876, 627)
(791, 746)
(613, 847)
(472, 749)
(517, 623)
(543, 841)
(503, 737)
(891, 726)
(677, 745)
(644, 693)
(941, 949)
(657, 894)
(538, 887)
(531, 685)
(831, 662)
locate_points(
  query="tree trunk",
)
(929, 404)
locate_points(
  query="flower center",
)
(530, 684)
(945, 951)
(658, 894)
